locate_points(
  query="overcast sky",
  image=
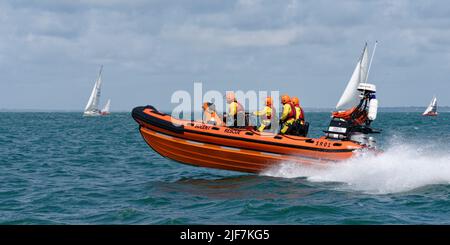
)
(51, 50)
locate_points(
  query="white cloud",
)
(314, 42)
(232, 37)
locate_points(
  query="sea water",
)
(62, 168)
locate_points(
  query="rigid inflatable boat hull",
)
(203, 145)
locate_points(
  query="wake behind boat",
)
(91, 108)
(432, 108)
(245, 149)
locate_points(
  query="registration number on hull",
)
(232, 131)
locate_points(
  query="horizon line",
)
(122, 111)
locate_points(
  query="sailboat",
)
(432, 108)
(91, 108)
(105, 110)
(358, 106)
(351, 96)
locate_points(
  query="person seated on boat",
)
(300, 115)
(210, 114)
(288, 115)
(300, 127)
(235, 111)
(266, 115)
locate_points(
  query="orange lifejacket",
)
(293, 113)
(211, 116)
(239, 111)
(348, 115)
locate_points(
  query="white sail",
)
(350, 97)
(92, 105)
(107, 107)
(95, 96)
(432, 107)
(364, 66)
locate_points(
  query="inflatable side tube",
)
(139, 115)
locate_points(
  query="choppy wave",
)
(62, 168)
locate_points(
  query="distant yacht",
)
(432, 108)
(92, 104)
(105, 110)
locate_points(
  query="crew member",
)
(300, 115)
(289, 114)
(235, 109)
(266, 114)
(210, 114)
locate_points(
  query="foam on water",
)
(402, 167)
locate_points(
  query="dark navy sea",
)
(62, 168)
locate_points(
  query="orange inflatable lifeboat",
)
(237, 149)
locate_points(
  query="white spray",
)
(400, 168)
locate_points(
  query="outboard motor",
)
(368, 93)
(354, 124)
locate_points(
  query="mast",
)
(100, 72)
(92, 104)
(360, 60)
(98, 85)
(371, 59)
